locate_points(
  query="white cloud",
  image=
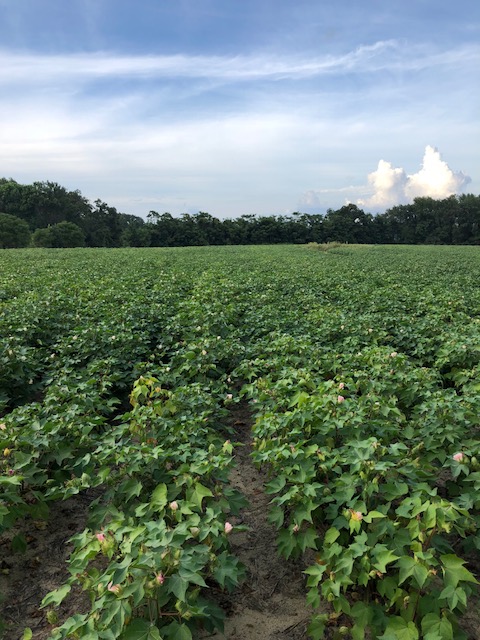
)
(435, 178)
(395, 55)
(392, 186)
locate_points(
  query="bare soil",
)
(26, 578)
(270, 604)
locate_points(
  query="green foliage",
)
(362, 369)
(43, 205)
(14, 232)
(61, 235)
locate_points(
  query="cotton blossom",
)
(100, 537)
(173, 505)
(114, 588)
(160, 578)
(459, 457)
(228, 527)
(340, 399)
(341, 386)
(356, 515)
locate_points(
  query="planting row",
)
(361, 365)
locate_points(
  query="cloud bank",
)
(392, 186)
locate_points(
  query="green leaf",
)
(383, 557)
(317, 625)
(14, 480)
(276, 516)
(315, 572)
(406, 564)
(177, 631)
(159, 497)
(373, 515)
(454, 571)
(300, 398)
(361, 614)
(307, 539)
(399, 629)
(359, 547)
(286, 542)
(304, 512)
(313, 598)
(276, 485)
(229, 571)
(178, 586)
(55, 597)
(331, 535)
(436, 628)
(197, 493)
(140, 629)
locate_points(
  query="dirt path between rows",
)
(270, 604)
(26, 578)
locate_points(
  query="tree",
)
(61, 235)
(14, 232)
(348, 224)
(102, 226)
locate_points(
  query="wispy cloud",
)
(395, 55)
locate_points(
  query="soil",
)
(268, 605)
(26, 578)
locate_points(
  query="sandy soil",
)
(27, 578)
(270, 604)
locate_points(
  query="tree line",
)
(45, 214)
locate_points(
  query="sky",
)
(240, 107)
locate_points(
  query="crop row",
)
(118, 367)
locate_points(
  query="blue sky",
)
(240, 107)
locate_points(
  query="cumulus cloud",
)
(392, 186)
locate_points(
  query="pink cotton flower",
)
(100, 537)
(458, 457)
(341, 386)
(173, 505)
(228, 528)
(356, 515)
(160, 578)
(114, 588)
(340, 399)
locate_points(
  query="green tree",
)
(14, 232)
(61, 235)
(348, 224)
